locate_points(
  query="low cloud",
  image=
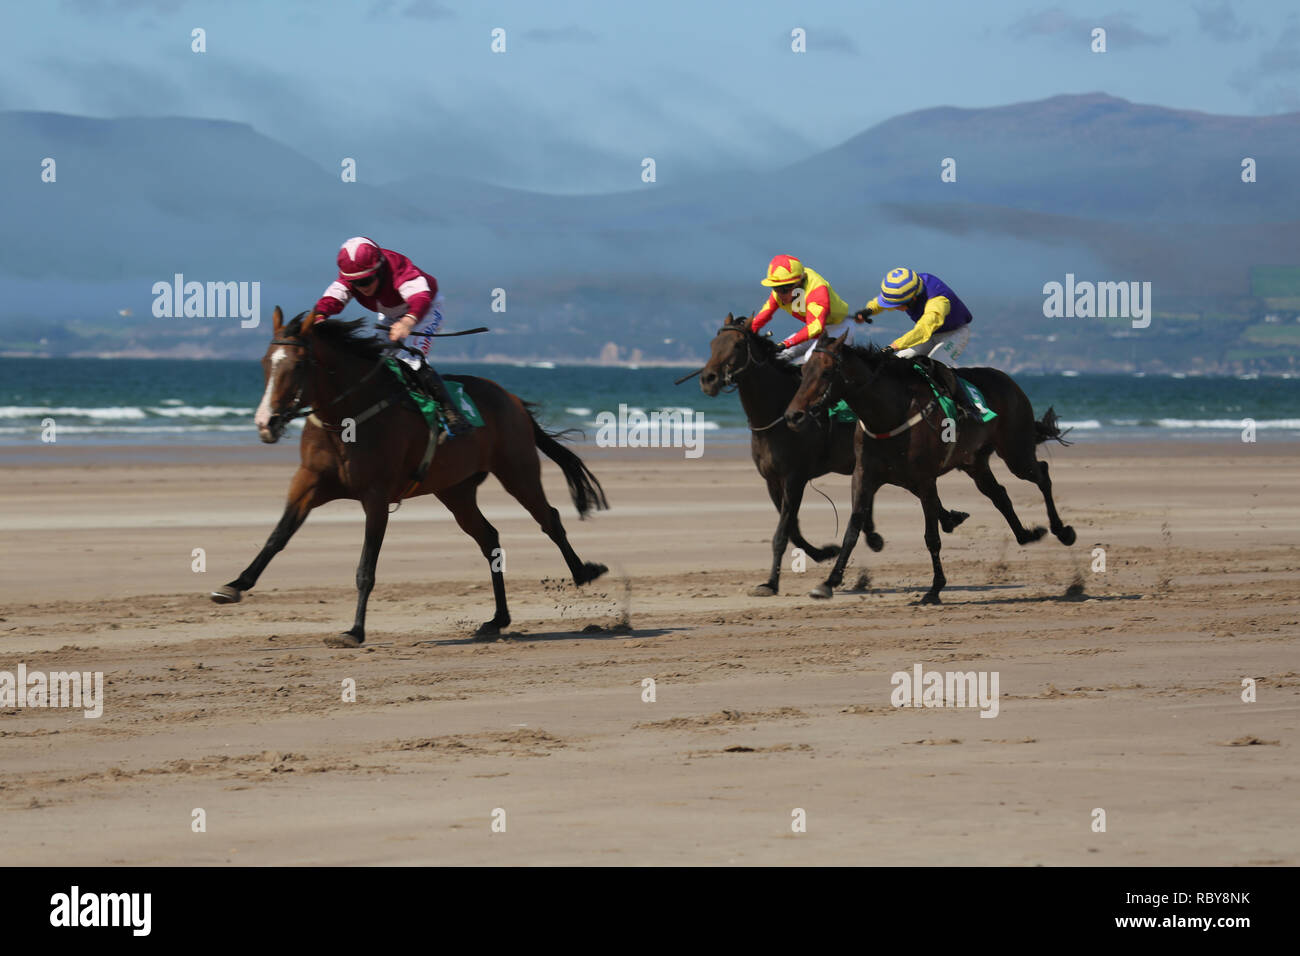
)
(1055, 22)
(561, 35)
(1221, 23)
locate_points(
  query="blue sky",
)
(585, 90)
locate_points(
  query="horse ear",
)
(836, 344)
(731, 319)
(277, 320)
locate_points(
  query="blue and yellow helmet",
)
(899, 288)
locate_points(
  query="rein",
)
(299, 409)
(729, 378)
(880, 436)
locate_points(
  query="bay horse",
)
(903, 442)
(339, 371)
(786, 458)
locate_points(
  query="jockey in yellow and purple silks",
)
(942, 320)
(805, 295)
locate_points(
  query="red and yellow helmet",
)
(783, 270)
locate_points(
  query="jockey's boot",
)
(948, 378)
(433, 383)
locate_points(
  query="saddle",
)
(940, 377)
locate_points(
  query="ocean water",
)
(211, 401)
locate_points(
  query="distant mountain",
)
(1093, 185)
(1092, 156)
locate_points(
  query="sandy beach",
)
(1126, 700)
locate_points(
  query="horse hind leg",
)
(1031, 469)
(462, 501)
(979, 470)
(526, 487)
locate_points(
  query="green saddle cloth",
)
(428, 407)
(949, 408)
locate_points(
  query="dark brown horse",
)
(364, 443)
(908, 442)
(786, 458)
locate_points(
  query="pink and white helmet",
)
(359, 257)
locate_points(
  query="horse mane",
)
(349, 335)
(877, 359)
(767, 350)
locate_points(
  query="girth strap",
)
(901, 428)
(430, 449)
(425, 462)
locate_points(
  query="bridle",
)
(837, 368)
(730, 376)
(298, 409)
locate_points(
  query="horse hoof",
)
(931, 597)
(875, 542)
(487, 630)
(1029, 537)
(822, 592)
(226, 595)
(825, 554)
(955, 518)
(346, 639)
(1067, 536)
(762, 590)
(590, 571)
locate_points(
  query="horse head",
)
(821, 382)
(735, 350)
(284, 370)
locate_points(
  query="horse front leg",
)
(305, 493)
(376, 525)
(864, 491)
(932, 508)
(794, 498)
(776, 490)
(788, 496)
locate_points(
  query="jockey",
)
(805, 295)
(942, 320)
(408, 300)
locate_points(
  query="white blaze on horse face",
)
(263, 416)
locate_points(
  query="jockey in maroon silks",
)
(407, 300)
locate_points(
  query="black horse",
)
(786, 458)
(907, 441)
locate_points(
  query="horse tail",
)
(583, 485)
(1049, 429)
